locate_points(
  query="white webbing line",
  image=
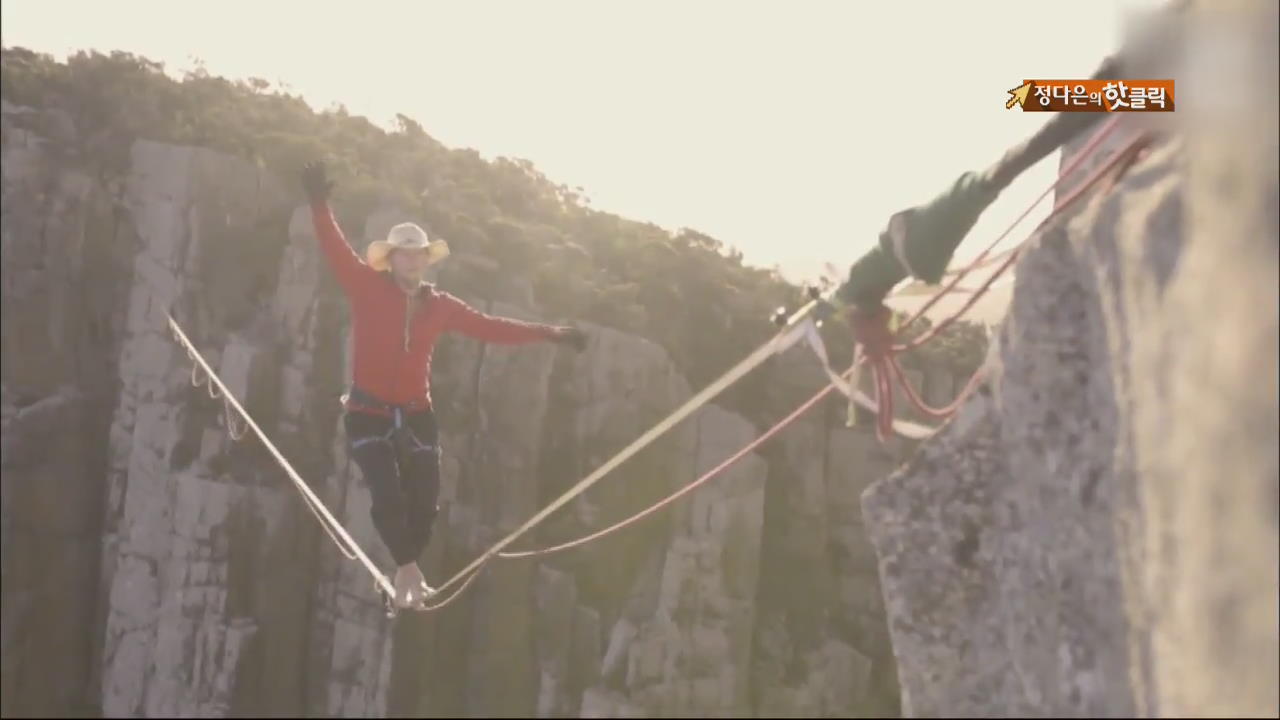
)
(293, 475)
(789, 336)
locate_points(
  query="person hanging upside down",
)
(396, 319)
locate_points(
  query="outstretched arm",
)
(347, 267)
(466, 320)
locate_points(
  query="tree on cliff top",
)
(684, 290)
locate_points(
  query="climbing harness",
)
(877, 344)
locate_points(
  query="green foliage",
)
(684, 290)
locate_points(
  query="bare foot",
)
(406, 582)
(411, 587)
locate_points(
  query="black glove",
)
(315, 182)
(571, 336)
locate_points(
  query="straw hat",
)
(405, 236)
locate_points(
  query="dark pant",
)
(402, 468)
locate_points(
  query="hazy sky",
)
(791, 130)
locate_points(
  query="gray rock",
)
(1051, 551)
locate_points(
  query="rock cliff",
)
(1096, 533)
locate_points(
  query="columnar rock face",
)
(166, 569)
(1096, 533)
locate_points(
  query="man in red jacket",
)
(396, 320)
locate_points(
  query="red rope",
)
(883, 363)
(871, 327)
(1089, 148)
(943, 412)
(1122, 160)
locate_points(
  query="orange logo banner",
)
(1092, 96)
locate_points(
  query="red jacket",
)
(394, 334)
